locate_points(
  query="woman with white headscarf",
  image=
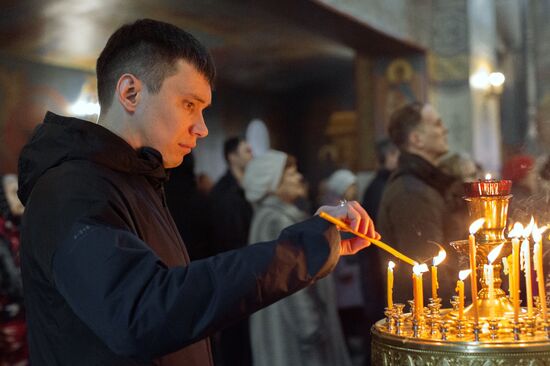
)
(302, 329)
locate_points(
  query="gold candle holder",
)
(488, 199)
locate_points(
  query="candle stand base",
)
(497, 343)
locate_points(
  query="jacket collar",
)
(422, 169)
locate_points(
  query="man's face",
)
(242, 155)
(432, 134)
(172, 120)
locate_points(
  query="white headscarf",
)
(263, 175)
(340, 181)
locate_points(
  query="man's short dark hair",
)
(403, 121)
(382, 149)
(148, 49)
(230, 146)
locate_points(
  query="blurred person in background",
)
(230, 207)
(303, 329)
(232, 214)
(342, 186)
(522, 171)
(13, 328)
(190, 209)
(387, 155)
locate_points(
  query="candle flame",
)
(488, 176)
(476, 225)
(391, 265)
(440, 257)
(537, 233)
(420, 268)
(516, 231)
(529, 228)
(494, 253)
(462, 275)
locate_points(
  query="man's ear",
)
(128, 92)
(415, 139)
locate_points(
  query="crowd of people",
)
(131, 260)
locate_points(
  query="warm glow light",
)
(476, 225)
(488, 176)
(462, 275)
(516, 231)
(420, 268)
(529, 228)
(494, 253)
(440, 257)
(391, 265)
(537, 233)
(480, 80)
(496, 79)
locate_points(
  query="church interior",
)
(317, 79)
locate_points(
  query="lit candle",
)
(508, 270)
(515, 233)
(526, 262)
(418, 292)
(462, 275)
(391, 265)
(537, 261)
(489, 278)
(474, 227)
(436, 261)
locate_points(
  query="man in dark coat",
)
(107, 277)
(416, 206)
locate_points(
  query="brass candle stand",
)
(439, 337)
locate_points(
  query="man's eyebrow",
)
(196, 97)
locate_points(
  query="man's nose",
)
(199, 128)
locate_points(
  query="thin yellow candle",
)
(526, 255)
(515, 233)
(343, 226)
(489, 278)
(418, 293)
(462, 275)
(391, 265)
(537, 258)
(436, 261)
(507, 269)
(474, 227)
